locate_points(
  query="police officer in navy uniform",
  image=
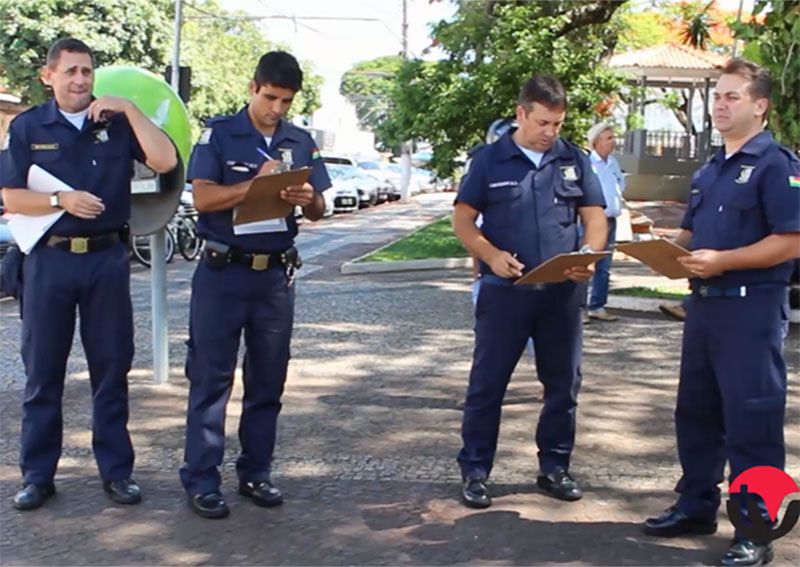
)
(531, 187)
(244, 283)
(743, 227)
(81, 261)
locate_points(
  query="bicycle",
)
(140, 247)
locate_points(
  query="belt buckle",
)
(79, 245)
(703, 291)
(260, 262)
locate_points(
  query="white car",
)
(341, 197)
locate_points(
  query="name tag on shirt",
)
(497, 184)
(40, 147)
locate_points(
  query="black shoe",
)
(262, 492)
(560, 485)
(32, 496)
(474, 493)
(210, 505)
(746, 552)
(124, 491)
(673, 523)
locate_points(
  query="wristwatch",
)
(586, 249)
(54, 200)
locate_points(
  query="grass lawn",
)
(434, 241)
(651, 292)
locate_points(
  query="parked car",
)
(342, 196)
(338, 160)
(382, 172)
(366, 185)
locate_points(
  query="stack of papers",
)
(27, 230)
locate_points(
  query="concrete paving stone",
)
(368, 437)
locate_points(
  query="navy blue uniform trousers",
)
(505, 317)
(224, 303)
(98, 283)
(732, 392)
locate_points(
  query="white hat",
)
(595, 131)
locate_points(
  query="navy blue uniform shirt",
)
(527, 210)
(741, 200)
(98, 158)
(227, 154)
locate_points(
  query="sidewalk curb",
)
(637, 303)
(355, 267)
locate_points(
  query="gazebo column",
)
(640, 134)
(687, 142)
(704, 140)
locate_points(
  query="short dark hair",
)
(545, 90)
(67, 44)
(279, 69)
(760, 79)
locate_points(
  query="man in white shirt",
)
(601, 143)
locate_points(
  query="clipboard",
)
(552, 271)
(660, 255)
(263, 199)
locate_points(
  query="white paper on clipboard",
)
(27, 230)
(273, 225)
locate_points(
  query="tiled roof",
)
(669, 56)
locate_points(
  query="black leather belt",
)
(739, 291)
(84, 244)
(218, 255)
(254, 260)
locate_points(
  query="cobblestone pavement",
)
(368, 437)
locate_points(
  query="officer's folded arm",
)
(210, 196)
(158, 149)
(23, 201)
(501, 262)
(766, 253)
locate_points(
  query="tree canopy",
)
(368, 86)
(492, 48)
(774, 42)
(134, 32)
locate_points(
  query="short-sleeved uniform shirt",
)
(741, 200)
(98, 158)
(227, 153)
(527, 210)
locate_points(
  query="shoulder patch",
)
(205, 136)
(6, 141)
(794, 181)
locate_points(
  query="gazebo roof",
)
(670, 62)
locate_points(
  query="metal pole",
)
(158, 249)
(738, 20)
(405, 160)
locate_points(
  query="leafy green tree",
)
(135, 32)
(774, 42)
(368, 86)
(223, 52)
(492, 47)
(641, 29)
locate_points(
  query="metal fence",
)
(674, 145)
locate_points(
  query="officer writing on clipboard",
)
(244, 283)
(531, 186)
